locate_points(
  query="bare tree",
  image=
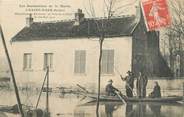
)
(175, 33)
(111, 8)
(102, 25)
(177, 10)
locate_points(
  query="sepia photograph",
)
(91, 58)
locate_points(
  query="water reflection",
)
(156, 109)
(72, 106)
(140, 110)
(132, 110)
(3, 114)
(129, 110)
(110, 108)
(146, 110)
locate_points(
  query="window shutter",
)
(27, 61)
(80, 61)
(107, 61)
(48, 60)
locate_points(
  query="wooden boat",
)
(168, 99)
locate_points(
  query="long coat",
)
(156, 92)
(141, 86)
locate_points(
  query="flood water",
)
(71, 105)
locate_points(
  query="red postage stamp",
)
(156, 14)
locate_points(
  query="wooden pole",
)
(47, 94)
(12, 73)
(183, 90)
(41, 89)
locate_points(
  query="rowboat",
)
(167, 99)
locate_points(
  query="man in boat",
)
(145, 82)
(110, 89)
(141, 84)
(129, 79)
(156, 91)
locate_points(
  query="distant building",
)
(71, 50)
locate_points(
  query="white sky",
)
(12, 23)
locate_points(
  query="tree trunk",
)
(99, 73)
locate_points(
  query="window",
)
(107, 62)
(27, 61)
(80, 61)
(48, 60)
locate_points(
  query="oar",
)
(120, 97)
(83, 98)
(84, 89)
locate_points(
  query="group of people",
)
(141, 84)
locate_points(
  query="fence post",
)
(183, 90)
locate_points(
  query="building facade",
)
(72, 61)
(71, 50)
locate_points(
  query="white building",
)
(71, 50)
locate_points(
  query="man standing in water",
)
(129, 79)
(141, 84)
(145, 82)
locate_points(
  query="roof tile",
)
(115, 27)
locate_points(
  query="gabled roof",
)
(114, 27)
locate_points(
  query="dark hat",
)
(129, 72)
(110, 80)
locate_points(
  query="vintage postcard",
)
(92, 58)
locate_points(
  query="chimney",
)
(79, 17)
(138, 12)
(29, 20)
